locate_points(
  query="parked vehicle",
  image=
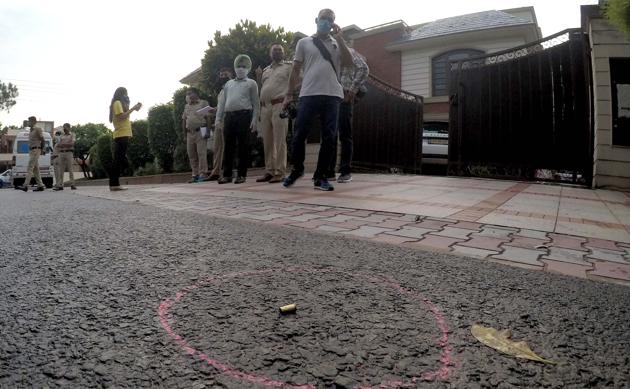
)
(20, 160)
(435, 143)
(5, 179)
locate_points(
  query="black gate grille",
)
(524, 110)
(387, 129)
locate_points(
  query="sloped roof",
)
(193, 78)
(466, 23)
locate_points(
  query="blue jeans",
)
(327, 107)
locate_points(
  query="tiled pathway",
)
(572, 231)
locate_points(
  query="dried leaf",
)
(500, 340)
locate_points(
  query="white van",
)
(20, 160)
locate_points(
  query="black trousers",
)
(327, 108)
(236, 133)
(119, 164)
(344, 133)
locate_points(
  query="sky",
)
(68, 56)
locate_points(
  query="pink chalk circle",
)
(441, 372)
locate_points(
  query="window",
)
(22, 147)
(440, 70)
(620, 88)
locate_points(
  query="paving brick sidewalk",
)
(536, 249)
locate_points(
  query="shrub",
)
(86, 136)
(181, 163)
(139, 152)
(149, 169)
(101, 156)
(162, 136)
(94, 165)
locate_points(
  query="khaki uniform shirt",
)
(193, 119)
(35, 137)
(66, 142)
(275, 82)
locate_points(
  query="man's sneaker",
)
(56, 188)
(240, 180)
(116, 188)
(291, 178)
(323, 184)
(225, 180)
(23, 187)
(265, 178)
(73, 187)
(193, 179)
(344, 178)
(39, 189)
(214, 177)
(202, 178)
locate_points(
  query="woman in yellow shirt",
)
(119, 112)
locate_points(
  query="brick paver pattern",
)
(591, 258)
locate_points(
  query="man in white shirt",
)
(321, 57)
(238, 111)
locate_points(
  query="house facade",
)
(416, 58)
(610, 62)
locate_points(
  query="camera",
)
(290, 111)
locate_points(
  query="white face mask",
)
(241, 72)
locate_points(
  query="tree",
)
(245, 38)
(8, 94)
(86, 137)
(162, 136)
(139, 151)
(618, 13)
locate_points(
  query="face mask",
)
(324, 26)
(241, 72)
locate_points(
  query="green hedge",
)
(101, 156)
(162, 135)
(139, 152)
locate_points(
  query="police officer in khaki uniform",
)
(65, 157)
(196, 143)
(54, 157)
(36, 146)
(274, 81)
(225, 75)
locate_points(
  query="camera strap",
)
(325, 53)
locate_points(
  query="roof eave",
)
(533, 35)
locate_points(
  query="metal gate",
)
(387, 129)
(524, 113)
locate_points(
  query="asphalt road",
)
(102, 293)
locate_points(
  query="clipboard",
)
(206, 110)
